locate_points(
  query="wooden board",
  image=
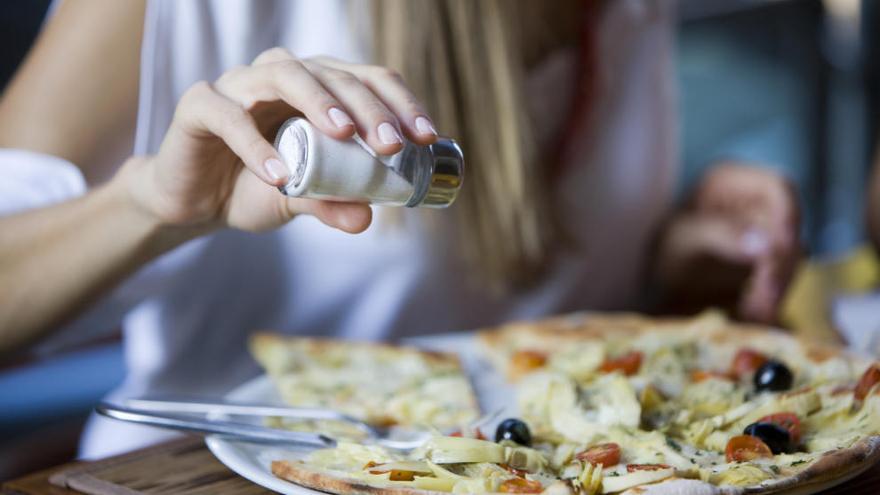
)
(183, 467)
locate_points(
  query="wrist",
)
(133, 194)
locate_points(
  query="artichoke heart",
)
(616, 402)
(454, 450)
(349, 456)
(590, 479)
(434, 484)
(636, 478)
(740, 475)
(525, 459)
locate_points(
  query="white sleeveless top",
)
(186, 317)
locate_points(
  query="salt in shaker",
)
(326, 168)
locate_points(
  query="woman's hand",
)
(735, 245)
(217, 168)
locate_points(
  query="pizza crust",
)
(332, 482)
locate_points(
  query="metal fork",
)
(405, 440)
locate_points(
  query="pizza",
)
(381, 384)
(629, 404)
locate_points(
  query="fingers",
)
(288, 80)
(375, 122)
(353, 218)
(203, 112)
(761, 298)
(703, 234)
(388, 85)
(752, 196)
(338, 98)
(763, 295)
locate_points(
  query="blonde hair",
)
(467, 61)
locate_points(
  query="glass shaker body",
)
(325, 168)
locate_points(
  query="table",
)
(187, 467)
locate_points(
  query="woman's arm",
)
(75, 96)
(214, 169)
(55, 261)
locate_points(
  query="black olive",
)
(774, 376)
(514, 430)
(775, 436)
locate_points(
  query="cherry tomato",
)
(519, 472)
(630, 468)
(628, 363)
(746, 448)
(787, 420)
(476, 433)
(521, 485)
(525, 361)
(606, 454)
(701, 375)
(869, 378)
(747, 361)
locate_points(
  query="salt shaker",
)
(326, 168)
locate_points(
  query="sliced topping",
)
(747, 361)
(514, 430)
(787, 420)
(589, 480)
(399, 471)
(525, 459)
(434, 484)
(514, 471)
(454, 450)
(520, 485)
(475, 433)
(613, 484)
(703, 375)
(606, 454)
(631, 468)
(650, 397)
(774, 436)
(628, 363)
(740, 475)
(842, 390)
(746, 448)
(869, 378)
(773, 376)
(525, 361)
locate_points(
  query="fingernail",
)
(388, 134)
(754, 242)
(424, 126)
(276, 169)
(339, 118)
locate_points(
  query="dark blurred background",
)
(793, 84)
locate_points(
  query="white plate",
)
(253, 461)
(250, 460)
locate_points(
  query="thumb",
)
(353, 218)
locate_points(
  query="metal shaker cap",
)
(447, 174)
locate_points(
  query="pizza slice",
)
(381, 384)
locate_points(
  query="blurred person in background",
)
(565, 111)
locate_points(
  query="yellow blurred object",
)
(806, 306)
